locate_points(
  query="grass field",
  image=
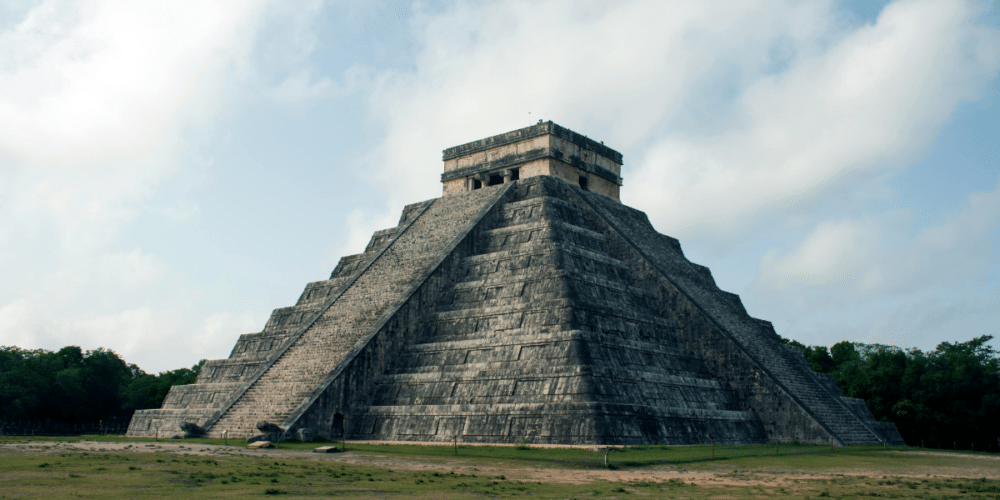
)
(115, 467)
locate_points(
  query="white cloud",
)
(733, 118)
(300, 87)
(877, 276)
(878, 256)
(97, 100)
(98, 81)
(180, 210)
(17, 318)
(286, 70)
(359, 233)
(630, 64)
(31, 322)
(871, 102)
(133, 269)
(726, 111)
(625, 68)
(160, 336)
(217, 333)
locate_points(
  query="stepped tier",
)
(530, 309)
(527, 302)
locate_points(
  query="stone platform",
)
(530, 309)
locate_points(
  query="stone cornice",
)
(528, 133)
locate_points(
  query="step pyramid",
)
(525, 303)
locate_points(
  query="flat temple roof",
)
(541, 128)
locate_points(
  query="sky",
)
(172, 172)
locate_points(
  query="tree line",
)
(948, 397)
(945, 398)
(71, 386)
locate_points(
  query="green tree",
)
(73, 386)
(149, 391)
(106, 375)
(949, 395)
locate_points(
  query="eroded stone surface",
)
(530, 311)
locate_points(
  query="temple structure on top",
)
(542, 149)
(526, 302)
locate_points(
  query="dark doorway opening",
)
(495, 179)
(337, 429)
(476, 184)
(583, 183)
(515, 174)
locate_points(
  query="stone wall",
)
(347, 323)
(784, 391)
(164, 423)
(531, 341)
(523, 140)
(350, 385)
(571, 174)
(530, 309)
(543, 149)
(255, 353)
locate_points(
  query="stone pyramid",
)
(527, 302)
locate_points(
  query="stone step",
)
(295, 374)
(475, 396)
(587, 289)
(541, 230)
(258, 347)
(542, 270)
(544, 275)
(527, 336)
(289, 317)
(725, 309)
(318, 291)
(546, 206)
(486, 369)
(543, 422)
(508, 314)
(525, 258)
(506, 410)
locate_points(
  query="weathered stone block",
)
(530, 309)
(304, 434)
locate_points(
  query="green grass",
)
(142, 475)
(629, 456)
(741, 471)
(695, 457)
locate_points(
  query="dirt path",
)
(966, 466)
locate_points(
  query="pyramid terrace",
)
(526, 302)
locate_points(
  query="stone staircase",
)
(531, 309)
(398, 257)
(543, 336)
(756, 337)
